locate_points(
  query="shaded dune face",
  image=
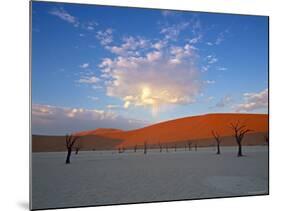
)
(187, 129)
(42, 143)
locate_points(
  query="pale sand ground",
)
(98, 178)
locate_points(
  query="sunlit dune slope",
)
(188, 128)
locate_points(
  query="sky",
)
(113, 67)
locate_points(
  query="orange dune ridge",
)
(183, 129)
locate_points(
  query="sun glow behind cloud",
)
(153, 84)
(152, 74)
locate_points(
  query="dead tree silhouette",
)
(239, 133)
(78, 147)
(218, 140)
(160, 146)
(69, 142)
(144, 147)
(266, 138)
(135, 148)
(189, 146)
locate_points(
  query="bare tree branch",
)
(239, 132)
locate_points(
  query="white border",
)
(14, 45)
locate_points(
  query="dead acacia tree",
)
(239, 133)
(69, 142)
(78, 147)
(218, 140)
(135, 148)
(266, 138)
(160, 146)
(145, 147)
(189, 146)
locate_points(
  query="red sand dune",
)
(188, 128)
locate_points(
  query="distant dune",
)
(42, 143)
(195, 129)
(190, 128)
(98, 131)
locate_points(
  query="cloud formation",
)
(225, 101)
(254, 101)
(64, 15)
(89, 80)
(56, 120)
(84, 65)
(154, 79)
(105, 37)
(130, 46)
(172, 32)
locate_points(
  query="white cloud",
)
(97, 87)
(105, 37)
(153, 80)
(129, 46)
(225, 101)
(212, 59)
(153, 56)
(222, 68)
(90, 25)
(112, 106)
(180, 53)
(205, 68)
(54, 120)
(64, 15)
(84, 65)
(93, 98)
(159, 44)
(221, 37)
(173, 31)
(254, 101)
(195, 40)
(209, 82)
(89, 79)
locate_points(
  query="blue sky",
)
(96, 66)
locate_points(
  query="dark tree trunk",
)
(239, 150)
(145, 148)
(218, 149)
(76, 152)
(68, 156)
